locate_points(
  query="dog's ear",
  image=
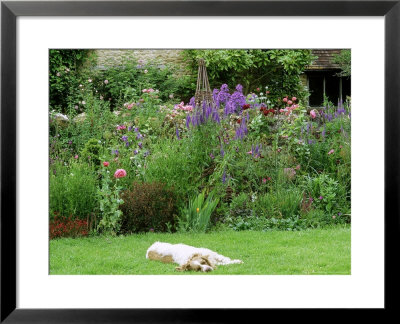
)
(183, 267)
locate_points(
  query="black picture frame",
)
(10, 10)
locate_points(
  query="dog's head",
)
(197, 263)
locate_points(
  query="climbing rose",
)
(313, 114)
(120, 173)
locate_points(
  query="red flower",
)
(239, 121)
(247, 106)
(106, 164)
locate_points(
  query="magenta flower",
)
(76, 156)
(320, 197)
(106, 164)
(264, 180)
(120, 173)
(313, 113)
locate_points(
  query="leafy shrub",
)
(325, 193)
(241, 206)
(279, 69)
(120, 84)
(67, 227)
(73, 190)
(148, 206)
(64, 77)
(91, 152)
(196, 217)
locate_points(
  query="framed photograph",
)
(251, 146)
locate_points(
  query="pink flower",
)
(285, 99)
(294, 99)
(289, 102)
(331, 151)
(144, 90)
(313, 114)
(297, 167)
(105, 81)
(334, 216)
(76, 156)
(264, 180)
(106, 164)
(120, 173)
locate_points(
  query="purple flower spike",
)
(177, 133)
(188, 121)
(224, 177)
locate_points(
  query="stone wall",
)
(114, 57)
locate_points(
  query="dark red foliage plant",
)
(61, 226)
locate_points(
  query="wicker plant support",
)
(203, 91)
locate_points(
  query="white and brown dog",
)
(187, 257)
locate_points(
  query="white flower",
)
(266, 87)
(145, 71)
(105, 81)
(83, 103)
(261, 94)
(90, 80)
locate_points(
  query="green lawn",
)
(317, 251)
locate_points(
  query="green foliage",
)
(109, 199)
(279, 69)
(326, 193)
(344, 61)
(64, 78)
(196, 217)
(125, 83)
(91, 152)
(73, 190)
(181, 163)
(253, 223)
(148, 207)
